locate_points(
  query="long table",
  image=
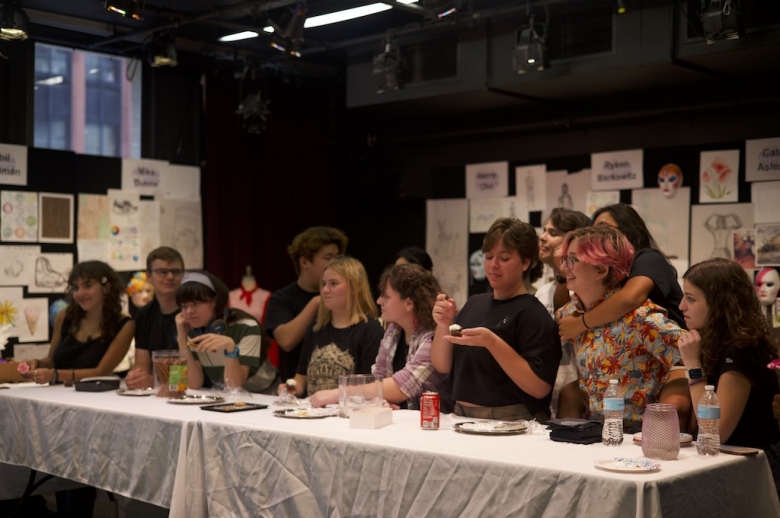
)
(207, 464)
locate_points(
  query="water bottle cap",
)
(613, 382)
(709, 387)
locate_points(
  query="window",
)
(87, 102)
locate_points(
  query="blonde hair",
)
(360, 303)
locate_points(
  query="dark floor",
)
(38, 508)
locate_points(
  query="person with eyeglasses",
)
(639, 348)
(156, 322)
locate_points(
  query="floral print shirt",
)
(638, 349)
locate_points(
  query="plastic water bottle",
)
(708, 415)
(612, 433)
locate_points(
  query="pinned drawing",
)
(51, 273)
(667, 219)
(712, 228)
(17, 264)
(530, 184)
(19, 216)
(124, 212)
(56, 217)
(181, 227)
(33, 325)
(744, 241)
(446, 241)
(94, 220)
(768, 244)
(9, 307)
(719, 175)
(566, 190)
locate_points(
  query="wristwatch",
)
(694, 374)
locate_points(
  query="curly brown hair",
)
(104, 275)
(310, 241)
(734, 315)
(411, 281)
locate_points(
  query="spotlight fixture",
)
(13, 22)
(162, 53)
(387, 67)
(441, 8)
(621, 7)
(720, 20)
(530, 51)
(254, 112)
(127, 8)
(290, 39)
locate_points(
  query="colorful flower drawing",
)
(8, 313)
(714, 179)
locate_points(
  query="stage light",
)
(621, 7)
(14, 22)
(290, 39)
(127, 8)
(530, 51)
(387, 67)
(442, 8)
(720, 20)
(162, 53)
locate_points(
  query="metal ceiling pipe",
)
(263, 5)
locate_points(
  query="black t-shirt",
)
(330, 352)
(757, 427)
(283, 306)
(666, 291)
(155, 331)
(72, 354)
(524, 324)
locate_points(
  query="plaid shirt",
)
(418, 375)
(638, 349)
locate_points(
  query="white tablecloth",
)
(208, 464)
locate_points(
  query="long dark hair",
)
(104, 275)
(630, 224)
(734, 315)
(411, 281)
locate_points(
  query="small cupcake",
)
(291, 384)
(455, 330)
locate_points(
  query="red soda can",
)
(429, 410)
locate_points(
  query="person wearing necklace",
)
(221, 345)
(504, 361)
(91, 336)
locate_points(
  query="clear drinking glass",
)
(343, 382)
(661, 432)
(363, 390)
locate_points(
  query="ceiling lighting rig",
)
(126, 8)
(530, 51)
(721, 20)
(14, 22)
(387, 67)
(290, 39)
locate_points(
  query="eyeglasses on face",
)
(163, 272)
(569, 261)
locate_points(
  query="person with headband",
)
(639, 349)
(221, 345)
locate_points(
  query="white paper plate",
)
(195, 400)
(137, 392)
(628, 465)
(685, 438)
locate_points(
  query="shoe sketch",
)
(15, 270)
(46, 277)
(124, 207)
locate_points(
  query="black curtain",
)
(260, 190)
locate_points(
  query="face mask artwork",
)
(767, 286)
(669, 180)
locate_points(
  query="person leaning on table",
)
(729, 345)
(221, 345)
(504, 364)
